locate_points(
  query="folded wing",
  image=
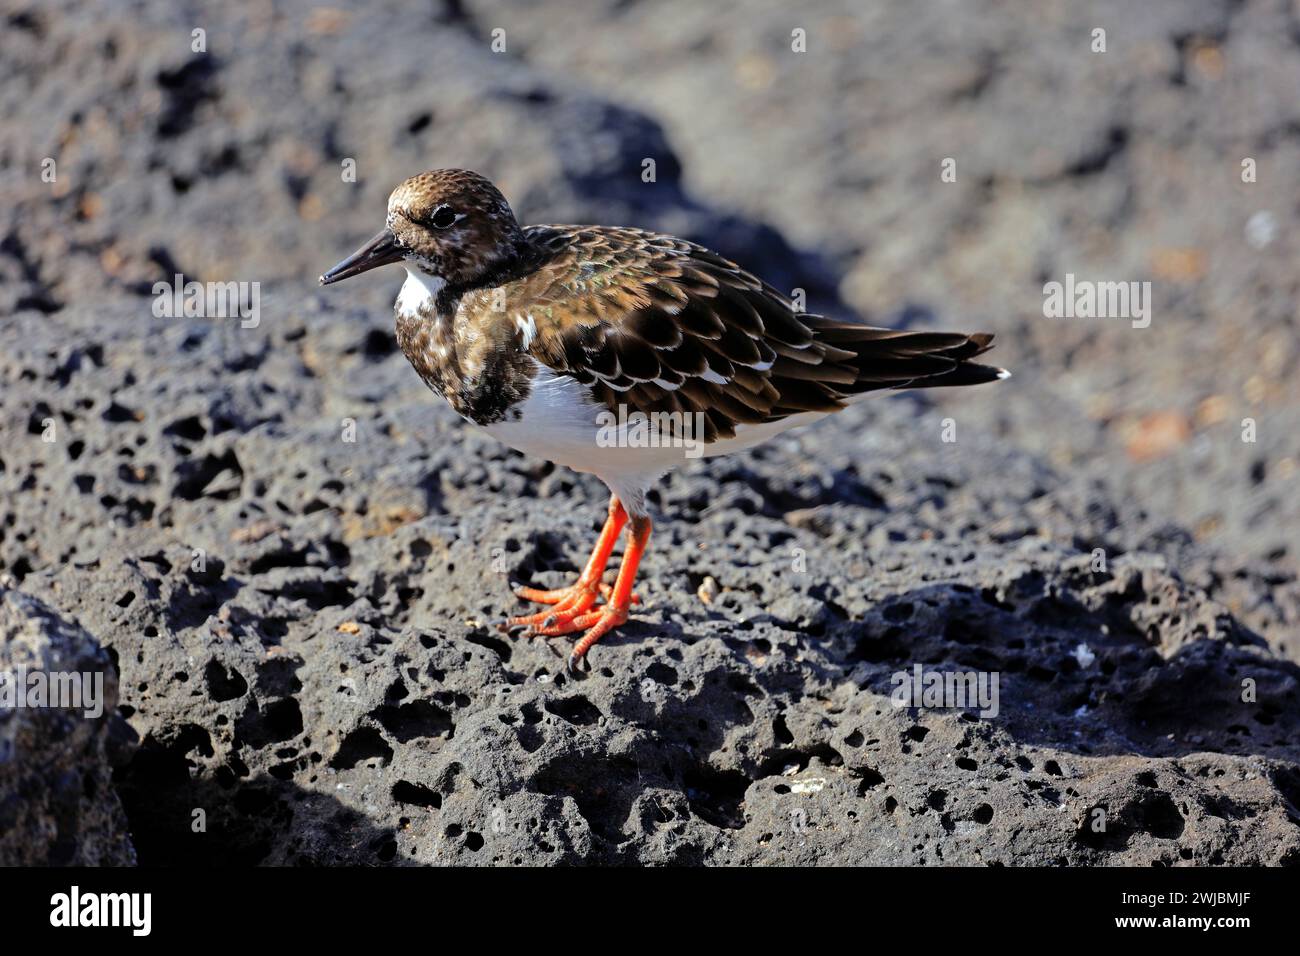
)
(659, 324)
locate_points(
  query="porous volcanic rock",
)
(57, 804)
(303, 628)
(294, 554)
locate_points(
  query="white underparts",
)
(560, 422)
(419, 293)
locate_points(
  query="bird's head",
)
(451, 224)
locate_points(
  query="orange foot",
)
(566, 594)
(573, 608)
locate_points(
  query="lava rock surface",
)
(294, 555)
(57, 802)
(303, 625)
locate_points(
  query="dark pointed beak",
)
(379, 251)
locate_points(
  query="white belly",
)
(559, 422)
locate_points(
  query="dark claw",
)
(574, 660)
(513, 630)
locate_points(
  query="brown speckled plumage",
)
(476, 366)
(645, 320)
(538, 333)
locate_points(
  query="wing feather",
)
(663, 325)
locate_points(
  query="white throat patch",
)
(419, 291)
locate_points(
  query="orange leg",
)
(588, 584)
(599, 622)
(578, 597)
(573, 606)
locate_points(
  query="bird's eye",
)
(443, 217)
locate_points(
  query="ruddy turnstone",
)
(617, 351)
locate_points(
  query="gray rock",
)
(303, 630)
(57, 803)
(302, 624)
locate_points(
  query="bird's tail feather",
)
(898, 358)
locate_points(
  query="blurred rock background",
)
(818, 170)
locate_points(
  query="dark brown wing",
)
(663, 325)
